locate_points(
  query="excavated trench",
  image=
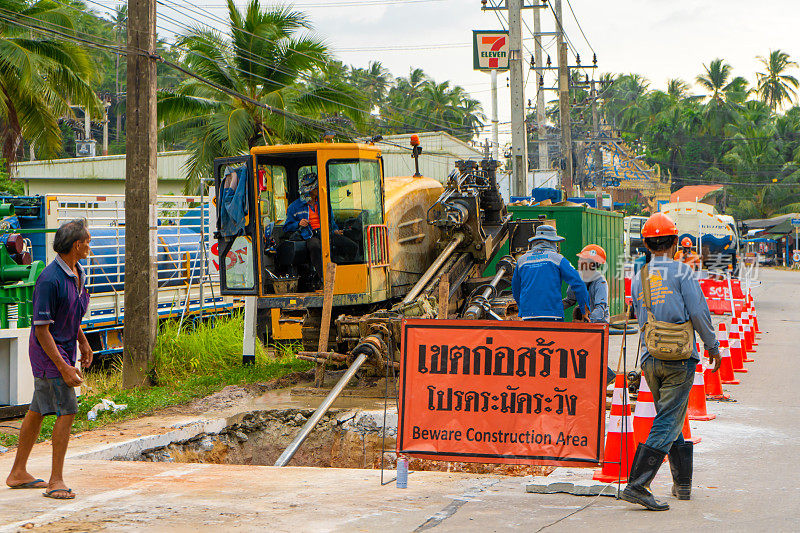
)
(344, 438)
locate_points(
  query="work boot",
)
(646, 462)
(680, 463)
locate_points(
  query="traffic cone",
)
(752, 303)
(726, 368)
(620, 440)
(736, 347)
(713, 382)
(744, 335)
(749, 330)
(687, 432)
(645, 412)
(697, 398)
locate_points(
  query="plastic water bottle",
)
(402, 472)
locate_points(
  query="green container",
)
(581, 226)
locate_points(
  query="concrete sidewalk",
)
(746, 475)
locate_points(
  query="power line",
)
(579, 26)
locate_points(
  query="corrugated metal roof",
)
(693, 193)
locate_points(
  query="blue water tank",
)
(545, 193)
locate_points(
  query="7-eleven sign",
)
(489, 50)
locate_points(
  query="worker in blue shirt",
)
(536, 284)
(303, 225)
(676, 298)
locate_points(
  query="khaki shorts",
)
(51, 396)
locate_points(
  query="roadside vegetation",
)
(193, 363)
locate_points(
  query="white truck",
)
(188, 276)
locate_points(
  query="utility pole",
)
(519, 136)
(544, 156)
(564, 103)
(106, 103)
(141, 318)
(87, 124)
(495, 119)
(598, 154)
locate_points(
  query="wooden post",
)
(444, 297)
(325, 324)
(141, 221)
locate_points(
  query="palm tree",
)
(725, 97)
(373, 81)
(40, 76)
(715, 81)
(775, 86)
(265, 57)
(677, 88)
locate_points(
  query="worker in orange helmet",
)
(666, 294)
(687, 255)
(591, 264)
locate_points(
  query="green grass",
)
(189, 364)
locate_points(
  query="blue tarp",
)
(175, 244)
(233, 206)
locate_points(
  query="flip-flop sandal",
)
(35, 484)
(50, 494)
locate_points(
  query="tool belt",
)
(664, 340)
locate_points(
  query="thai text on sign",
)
(503, 392)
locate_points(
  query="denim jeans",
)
(671, 382)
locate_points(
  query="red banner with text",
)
(718, 295)
(503, 392)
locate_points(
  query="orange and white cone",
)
(620, 440)
(697, 409)
(726, 368)
(645, 412)
(687, 432)
(752, 303)
(749, 336)
(736, 346)
(713, 382)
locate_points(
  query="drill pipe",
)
(415, 291)
(478, 304)
(364, 350)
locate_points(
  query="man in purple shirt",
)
(60, 300)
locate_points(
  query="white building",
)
(106, 174)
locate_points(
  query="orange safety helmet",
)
(686, 242)
(659, 225)
(593, 252)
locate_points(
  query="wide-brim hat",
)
(546, 232)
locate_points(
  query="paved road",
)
(747, 476)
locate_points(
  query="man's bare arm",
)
(72, 376)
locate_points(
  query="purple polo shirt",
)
(59, 299)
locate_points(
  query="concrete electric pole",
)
(598, 154)
(141, 318)
(495, 118)
(519, 137)
(541, 120)
(564, 103)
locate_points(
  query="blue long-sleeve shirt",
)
(536, 284)
(297, 211)
(676, 297)
(598, 300)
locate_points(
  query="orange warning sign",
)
(503, 392)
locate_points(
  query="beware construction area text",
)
(503, 392)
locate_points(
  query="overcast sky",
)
(659, 39)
